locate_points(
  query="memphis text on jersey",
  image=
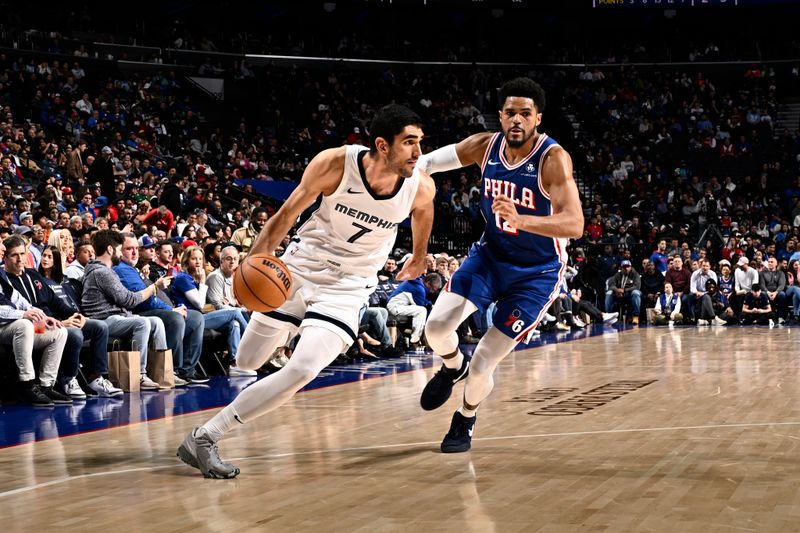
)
(365, 217)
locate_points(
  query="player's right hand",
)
(413, 268)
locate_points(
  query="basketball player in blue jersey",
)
(334, 260)
(531, 206)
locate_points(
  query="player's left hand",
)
(413, 268)
(505, 208)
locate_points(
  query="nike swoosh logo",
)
(490, 162)
(471, 430)
(351, 191)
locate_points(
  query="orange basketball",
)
(261, 283)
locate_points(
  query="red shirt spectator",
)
(160, 217)
(595, 229)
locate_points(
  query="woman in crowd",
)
(50, 266)
(793, 287)
(189, 288)
(62, 240)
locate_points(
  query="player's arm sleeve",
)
(440, 160)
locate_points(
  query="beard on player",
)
(403, 167)
(516, 136)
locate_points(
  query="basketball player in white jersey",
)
(531, 206)
(334, 260)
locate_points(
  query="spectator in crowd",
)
(39, 294)
(625, 285)
(793, 287)
(714, 308)
(62, 240)
(102, 172)
(37, 244)
(680, 278)
(389, 270)
(580, 307)
(697, 288)
(745, 279)
(652, 284)
(756, 308)
(160, 217)
(725, 280)
(83, 254)
(668, 307)
(106, 298)
(19, 322)
(183, 327)
(660, 258)
(50, 266)
(190, 290)
(220, 281)
(162, 263)
(244, 237)
(412, 299)
(772, 281)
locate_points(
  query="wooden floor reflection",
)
(642, 430)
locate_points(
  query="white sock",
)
(221, 423)
(467, 413)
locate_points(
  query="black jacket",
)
(33, 287)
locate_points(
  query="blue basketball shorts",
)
(522, 293)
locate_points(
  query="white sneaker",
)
(781, 321)
(145, 383)
(562, 327)
(771, 323)
(180, 382)
(701, 322)
(104, 388)
(236, 372)
(578, 322)
(547, 318)
(719, 322)
(74, 391)
(610, 318)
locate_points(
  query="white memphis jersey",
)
(354, 229)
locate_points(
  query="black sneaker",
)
(459, 438)
(194, 379)
(439, 388)
(55, 396)
(390, 352)
(33, 395)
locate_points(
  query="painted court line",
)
(177, 464)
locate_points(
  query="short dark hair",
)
(14, 242)
(433, 279)
(161, 244)
(105, 238)
(257, 211)
(389, 122)
(83, 245)
(525, 88)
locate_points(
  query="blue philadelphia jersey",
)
(522, 183)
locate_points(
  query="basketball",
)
(262, 283)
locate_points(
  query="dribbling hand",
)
(413, 268)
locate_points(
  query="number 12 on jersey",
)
(504, 226)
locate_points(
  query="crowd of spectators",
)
(121, 179)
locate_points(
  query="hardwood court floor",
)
(710, 445)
